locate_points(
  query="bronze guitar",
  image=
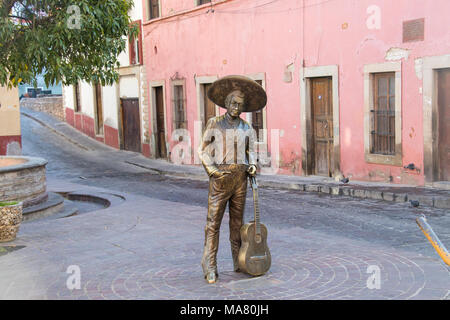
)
(254, 256)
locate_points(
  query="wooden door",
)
(444, 124)
(209, 106)
(131, 124)
(161, 151)
(77, 100)
(322, 126)
(98, 109)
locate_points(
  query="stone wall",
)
(27, 185)
(52, 105)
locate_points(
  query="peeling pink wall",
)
(326, 42)
(254, 36)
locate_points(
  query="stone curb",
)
(54, 130)
(31, 163)
(437, 201)
(440, 202)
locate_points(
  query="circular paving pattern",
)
(312, 275)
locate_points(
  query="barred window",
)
(383, 114)
(179, 107)
(153, 9)
(257, 122)
(257, 119)
(200, 2)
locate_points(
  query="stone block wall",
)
(51, 105)
(26, 185)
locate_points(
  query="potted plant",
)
(10, 219)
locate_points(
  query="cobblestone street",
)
(150, 245)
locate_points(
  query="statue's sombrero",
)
(255, 96)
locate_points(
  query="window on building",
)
(179, 107)
(209, 108)
(76, 98)
(200, 2)
(135, 47)
(258, 120)
(383, 114)
(153, 9)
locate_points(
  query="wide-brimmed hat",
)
(254, 95)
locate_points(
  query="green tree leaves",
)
(66, 44)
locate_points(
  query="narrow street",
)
(150, 246)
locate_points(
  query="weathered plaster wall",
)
(279, 38)
(10, 134)
(109, 98)
(231, 42)
(9, 112)
(337, 33)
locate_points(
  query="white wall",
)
(129, 87)
(110, 108)
(68, 94)
(87, 99)
(124, 58)
(136, 12)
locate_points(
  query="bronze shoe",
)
(211, 277)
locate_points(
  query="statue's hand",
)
(251, 170)
(220, 174)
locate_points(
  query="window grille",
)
(179, 107)
(383, 114)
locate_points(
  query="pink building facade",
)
(356, 88)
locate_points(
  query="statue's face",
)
(236, 104)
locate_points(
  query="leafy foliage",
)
(65, 40)
(6, 204)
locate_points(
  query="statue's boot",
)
(235, 246)
(209, 259)
(211, 277)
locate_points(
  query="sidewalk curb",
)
(361, 192)
(440, 202)
(54, 130)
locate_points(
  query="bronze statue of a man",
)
(228, 156)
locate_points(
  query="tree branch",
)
(17, 17)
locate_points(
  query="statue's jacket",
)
(227, 141)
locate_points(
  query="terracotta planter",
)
(10, 219)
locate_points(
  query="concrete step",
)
(54, 204)
(70, 209)
(441, 185)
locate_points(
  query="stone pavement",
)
(145, 248)
(149, 245)
(427, 196)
